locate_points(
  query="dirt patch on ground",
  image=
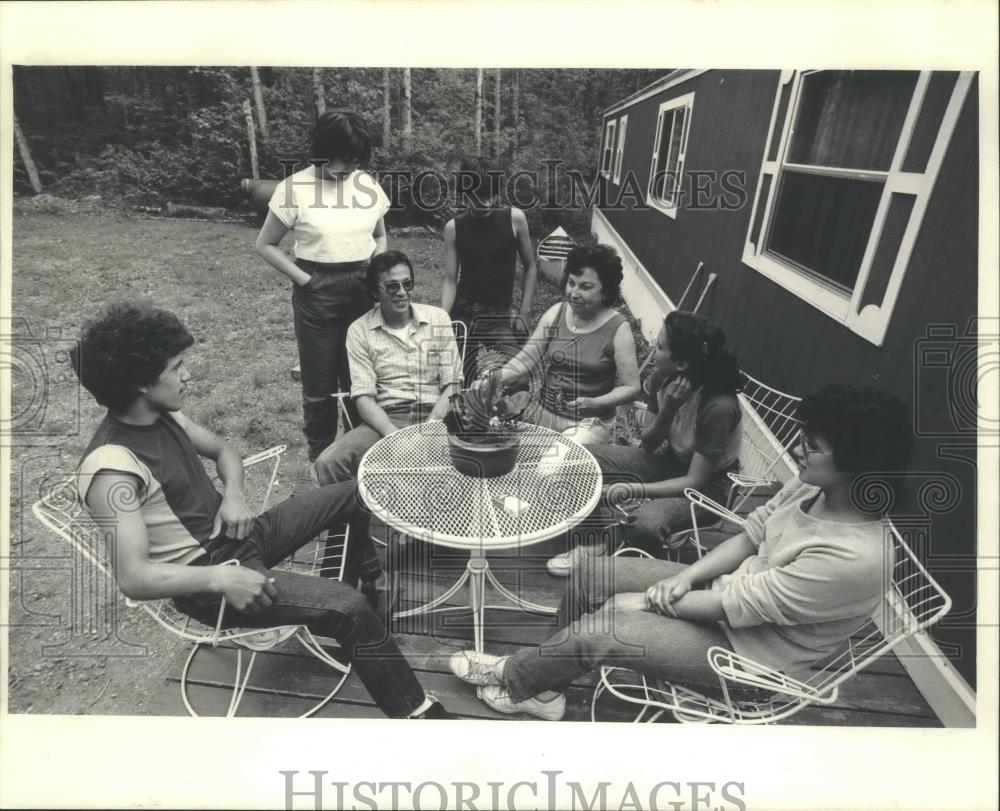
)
(74, 646)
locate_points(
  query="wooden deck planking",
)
(287, 682)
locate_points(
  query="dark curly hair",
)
(868, 429)
(128, 345)
(700, 343)
(341, 135)
(606, 264)
(381, 263)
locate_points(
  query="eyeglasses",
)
(394, 287)
(806, 446)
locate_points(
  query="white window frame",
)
(620, 149)
(608, 148)
(686, 101)
(871, 322)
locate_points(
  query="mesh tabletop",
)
(408, 481)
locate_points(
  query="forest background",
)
(140, 137)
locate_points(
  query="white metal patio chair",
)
(62, 512)
(769, 432)
(752, 693)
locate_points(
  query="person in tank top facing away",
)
(582, 351)
(335, 212)
(481, 250)
(692, 437)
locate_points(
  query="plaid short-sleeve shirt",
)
(403, 370)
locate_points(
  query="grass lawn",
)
(239, 310)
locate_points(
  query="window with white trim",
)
(849, 165)
(666, 172)
(608, 149)
(620, 149)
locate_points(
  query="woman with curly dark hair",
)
(692, 438)
(806, 573)
(583, 349)
(335, 211)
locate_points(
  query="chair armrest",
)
(705, 503)
(748, 481)
(631, 550)
(733, 668)
(263, 456)
(271, 454)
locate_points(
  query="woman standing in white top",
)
(335, 212)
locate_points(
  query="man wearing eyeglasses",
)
(404, 366)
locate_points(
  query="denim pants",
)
(624, 464)
(492, 331)
(339, 462)
(585, 430)
(595, 632)
(327, 607)
(324, 307)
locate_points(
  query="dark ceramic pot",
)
(483, 461)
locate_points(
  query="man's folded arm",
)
(114, 502)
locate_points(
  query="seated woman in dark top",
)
(692, 437)
(583, 350)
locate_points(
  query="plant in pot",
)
(483, 429)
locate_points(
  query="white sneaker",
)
(499, 699)
(477, 668)
(562, 565)
(266, 638)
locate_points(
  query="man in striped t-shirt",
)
(173, 532)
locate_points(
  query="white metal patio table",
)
(408, 481)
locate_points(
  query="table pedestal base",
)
(477, 574)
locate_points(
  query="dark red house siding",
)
(791, 345)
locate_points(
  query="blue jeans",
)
(595, 632)
(623, 463)
(324, 307)
(326, 607)
(339, 462)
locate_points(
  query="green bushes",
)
(146, 136)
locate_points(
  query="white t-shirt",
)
(331, 221)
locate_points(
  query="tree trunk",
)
(258, 97)
(407, 110)
(251, 138)
(496, 115)
(386, 107)
(479, 111)
(93, 81)
(29, 164)
(319, 91)
(72, 97)
(182, 80)
(515, 111)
